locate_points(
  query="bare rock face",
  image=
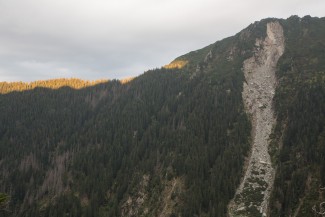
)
(252, 196)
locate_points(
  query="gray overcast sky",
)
(92, 39)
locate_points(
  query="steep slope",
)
(156, 146)
(184, 140)
(253, 195)
(298, 140)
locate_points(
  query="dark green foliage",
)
(84, 152)
(3, 200)
(300, 106)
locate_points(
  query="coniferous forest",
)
(170, 142)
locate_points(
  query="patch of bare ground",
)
(252, 196)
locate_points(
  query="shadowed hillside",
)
(174, 141)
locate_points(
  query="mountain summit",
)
(234, 129)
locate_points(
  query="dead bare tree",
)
(321, 211)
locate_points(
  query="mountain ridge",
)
(174, 140)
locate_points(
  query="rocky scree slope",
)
(254, 191)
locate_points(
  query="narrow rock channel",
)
(253, 194)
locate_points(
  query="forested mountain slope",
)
(300, 130)
(175, 141)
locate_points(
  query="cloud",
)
(119, 38)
